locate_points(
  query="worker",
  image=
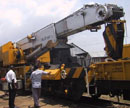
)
(36, 84)
(12, 86)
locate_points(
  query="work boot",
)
(16, 107)
(36, 106)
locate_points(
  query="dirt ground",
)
(27, 102)
(45, 102)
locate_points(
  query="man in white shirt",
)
(36, 77)
(11, 79)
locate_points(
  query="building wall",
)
(97, 59)
(84, 60)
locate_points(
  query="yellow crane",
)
(48, 47)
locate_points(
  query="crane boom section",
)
(87, 17)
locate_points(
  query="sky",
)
(19, 18)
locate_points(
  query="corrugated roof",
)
(76, 50)
(80, 50)
(98, 54)
(63, 45)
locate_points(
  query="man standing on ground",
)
(11, 79)
(36, 77)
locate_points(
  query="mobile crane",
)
(48, 46)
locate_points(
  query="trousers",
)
(36, 92)
(12, 94)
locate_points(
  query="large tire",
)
(78, 88)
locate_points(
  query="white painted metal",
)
(76, 22)
(88, 15)
(85, 16)
(41, 38)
